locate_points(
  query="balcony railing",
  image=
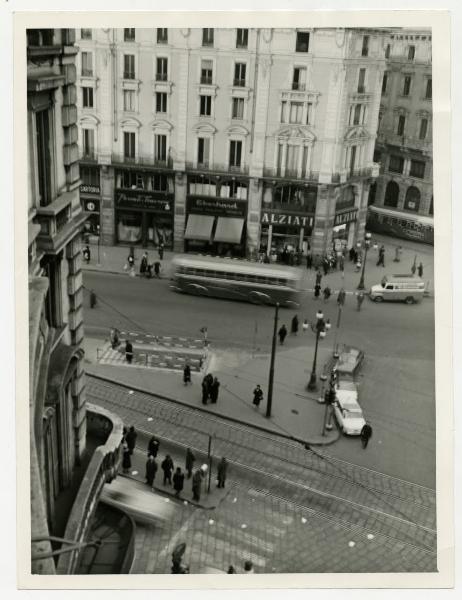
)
(161, 76)
(129, 74)
(361, 89)
(87, 72)
(147, 161)
(216, 168)
(239, 82)
(298, 86)
(206, 80)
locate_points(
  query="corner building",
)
(231, 141)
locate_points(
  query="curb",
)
(292, 438)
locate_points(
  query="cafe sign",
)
(217, 207)
(285, 219)
(137, 200)
(346, 217)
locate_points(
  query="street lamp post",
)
(321, 327)
(273, 356)
(99, 245)
(367, 243)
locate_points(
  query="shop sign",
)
(228, 208)
(284, 219)
(91, 205)
(346, 217)
(86, 188)
(137, 200)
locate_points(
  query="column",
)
(308, 161)
(107, 212)
(270, 239)
(301, 150)
(324, 219)
(179, 223)
(300, 239)
(284, 159)
(254, 197)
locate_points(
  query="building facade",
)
(404, 141)
(58, 410)
(228, 140)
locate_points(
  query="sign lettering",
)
(346, 217)
(86, 188)
(138, 200)
(286, 219)
(219, 207)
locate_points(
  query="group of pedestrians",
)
(147, 267)
(210, 389)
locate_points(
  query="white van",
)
(405, 288)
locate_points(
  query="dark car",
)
(349, 362)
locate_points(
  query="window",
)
(88, 143)
(160, 148)
(387, 51)
(384, 83)
(296, 112)
(299, 78)
(129, 35)
(238, 108)
(411, 53)
(129, 100)
(406, 85)
(365, 48)
(423, 129)
(391, 194)
(205, 106)
(303, 41)
(129, 145)
(161, 102)
(235, 152)
(203, 151)
(401, 125)
(377, 156)
(239, 74)
(87, 97)
(129, 66)
(428, 89)
(44, 155)
(161, 69)
(357, 114)
(412, 199)
(162, 36)
(206, 72)
(89, 175)
(85, 34)
(396, 164)
(207, 37)
(352, 159)
(242, 38)
(417, 169)
(361, 81)
(87, 64)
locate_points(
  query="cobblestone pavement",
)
(283, 473)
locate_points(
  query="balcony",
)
(129, 74)
(299, 87)
(239, 82)
(161, 77)
(289, 174)
(87, 72)
(216, 168)
(145, 161)
(206, 80)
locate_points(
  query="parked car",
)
(349, 362)
(347, 410)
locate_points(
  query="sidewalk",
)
(113, 259)
(296, 413)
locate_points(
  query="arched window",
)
(391, 194)
(412, 200)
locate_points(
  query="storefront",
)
(283, 232)
(343, 233)
(143, 218)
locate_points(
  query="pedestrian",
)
(153, 446)
(420, 270)
(205, 390)
(92, 299)
(305, 325)
(189, 463)
(186, 374)
(87, 254)
(359, 299)
(309, 260)
(317, 290)
(341, 297)
(151, 470)
(128, 351)
(126, 460)
(214, 387)
(355, 256)
(325, 265)
(167, 468)
(248, 567)
(231, 570)
(144, 265)
(358, 266)
(352, 253)
(131, 264)
(341, 263)
(294, 325)
(161, 250)
(157, 266)
(196, 485)
(124, 434)
(318, 277)
(178, 481)
(130, 439)
(326, 293)
(282, 334)
(221, 472)
(381, 260)
(114, 336)
(366, 434)
(398, 251)
(257, 396)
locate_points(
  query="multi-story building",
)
(66, 471)
(228, 140)
(402, 196)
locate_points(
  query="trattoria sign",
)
(284, 219)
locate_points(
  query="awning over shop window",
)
(199, 227)
(229, 230)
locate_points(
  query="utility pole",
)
(273, 356)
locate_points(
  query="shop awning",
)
(199, 227)
(229, 230)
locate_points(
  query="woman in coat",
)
(167, 468)
(151, 470)
(178, 481)
(126, 459)
(257, 396)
